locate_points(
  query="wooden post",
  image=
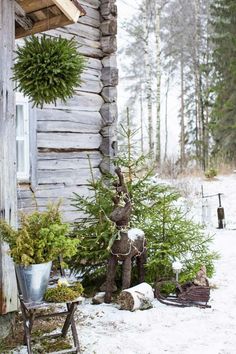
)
(8, 205)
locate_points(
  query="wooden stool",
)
(29, 314)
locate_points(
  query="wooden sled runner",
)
(187, 295)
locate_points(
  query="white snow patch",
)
(134, 234)
(104, 329)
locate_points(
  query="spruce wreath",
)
(47, 69)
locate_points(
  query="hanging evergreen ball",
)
(48, 69)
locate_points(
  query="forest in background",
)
(189, 45)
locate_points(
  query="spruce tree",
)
(170, 234)
(224, 62)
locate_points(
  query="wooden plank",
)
(68, 127)
(82, 41)
(58, 155)
(54, 191)
(69, 141)
(67, 177)
(68, 121)
(82, 30)
(93, 64)
(82, 101)
(8, 201)
(31, 6)
(44, 25)
(21, 18)
(68, 9)
(91, 3)
(92, 17)
(71, 164)
(86, 46)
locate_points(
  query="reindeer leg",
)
(141, 260)
(126, 273)
(111, 273)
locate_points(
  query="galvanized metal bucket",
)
(33, 280)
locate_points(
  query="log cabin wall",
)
(67, 139)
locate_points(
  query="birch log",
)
(139, 297)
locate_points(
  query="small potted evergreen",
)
(41, 238)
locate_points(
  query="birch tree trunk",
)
(182, 118)
(198, 93)
(166, 118)
(158, 89)
(148, 76)
(141, 118)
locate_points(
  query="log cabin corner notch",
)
(35, 16)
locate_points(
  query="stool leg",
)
(71, 322)
(71, 308)
(27, 322)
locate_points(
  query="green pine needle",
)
(48, 69)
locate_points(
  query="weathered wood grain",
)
(91, 3)
(68, 121)
(68, 177)
(68, 164)
(8, 201)
(84, 31)
(69, 141)
(81, 101)
(92, 17)
(109, 44)
(109, 27)
(58, 155)
(109, 94)
(49, 192)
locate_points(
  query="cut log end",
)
(126, 301)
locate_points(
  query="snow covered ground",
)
(104, 329)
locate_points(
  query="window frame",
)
(21, 100)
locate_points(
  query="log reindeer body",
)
(130, 243)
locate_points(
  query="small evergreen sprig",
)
(42, 237)
(48, 69)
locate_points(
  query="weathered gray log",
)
(8, 202)
(110, 76)
(110, 61)
(108, 9)
(73, 122)
(21, 18)
(93, 64)
(86, 46)
(49, 191)
(91, 3)
(109, 113)
(68, 177)
(84, 118)
(84, 31)
(109, 27)
(70, 155)
(64, 164)
(82, 101)
(106, 146)
(69, 141)
(109, 94)
(109, 131)
(109, 44)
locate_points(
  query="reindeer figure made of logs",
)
(129, 243)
